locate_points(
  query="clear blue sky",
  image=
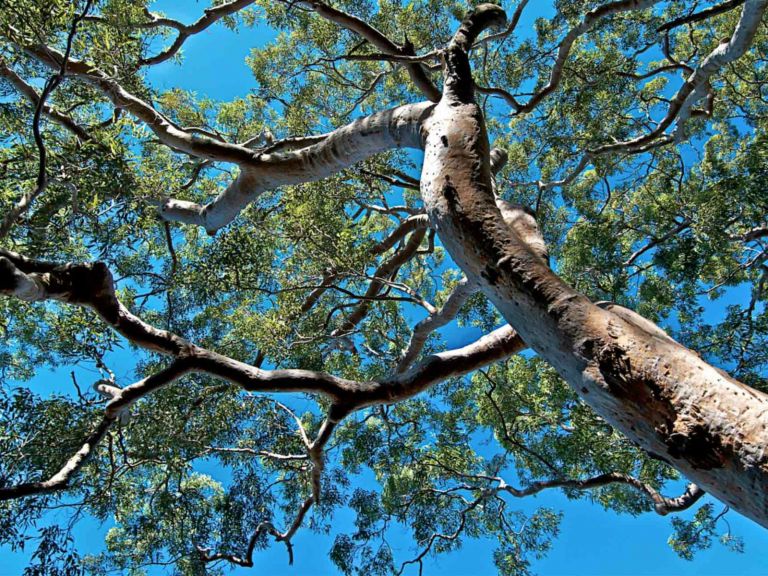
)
(591, 542)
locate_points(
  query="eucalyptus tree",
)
(280, 270)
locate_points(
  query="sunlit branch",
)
(569, 177)
(501, 93)
(463, 290)
(590, 19)
(342, 148)
(253, 452)
(408, 225)
(697, 86)
(510, 29)
(663, 505)
(377, 39)
(751, 235)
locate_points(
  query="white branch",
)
(463, 290)
(696, 86)
(396, 128)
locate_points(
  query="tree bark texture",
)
(661, 395)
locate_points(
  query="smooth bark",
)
(659, 394)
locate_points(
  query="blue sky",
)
(592, 541)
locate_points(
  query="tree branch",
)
(699, 16)
(696, 86)
(91, 285)
(210, 16)
(42, 177)
(662, 504)
(385, 272)
(88, 285)
(684, 225)
(377, 39)
(396, 128)
(410, 224)
(463, 290)
(167, 131)
(124, 398)
(590, 19)
(31, 94)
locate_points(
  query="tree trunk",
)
(658, 393)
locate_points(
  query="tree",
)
(579, 183)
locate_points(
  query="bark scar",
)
(450, 193)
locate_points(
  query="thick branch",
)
(396, 128)
(661, 395)
(756, 233)
(210, 16)
(511, 27)
(260, 170)
(408, 225)
(89, 285)
(315, 295)
(416, 71)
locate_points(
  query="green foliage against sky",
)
(664, 232)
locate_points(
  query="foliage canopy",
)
(305, 277)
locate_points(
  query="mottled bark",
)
(659, 394)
